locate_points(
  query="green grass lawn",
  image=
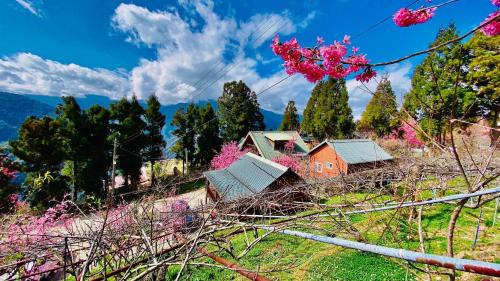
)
(294, 258)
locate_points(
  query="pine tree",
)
(128, 129)
(239, 111)
(485, 76)
(308, 116)
(381, 113)
(185, 130)
(436, 97)
(42, 148)
(290, 121)
(208, 140)
(100, 151)
(155, 122)
(74, 129)
(327, 114)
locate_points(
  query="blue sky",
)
(180, 49)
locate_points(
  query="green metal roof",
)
(357, 151)
(247, 176)
(262, 140)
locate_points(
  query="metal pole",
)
(479, 267)
(476, 236)
(113, 171)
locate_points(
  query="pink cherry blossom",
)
(496, 2)
(367, 74)
(492, 28)
(289, 161)
(346, 40)
(319, 40)
(406, 17)
(315, 63)
(229, 153)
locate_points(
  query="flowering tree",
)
(229, 153)
(8, 171)
(408, 133)
(406, 17)
(315, 63)
(288, 161)
(336, 61)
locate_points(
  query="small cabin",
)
(246, 177)
(269, 144)
(335, 157)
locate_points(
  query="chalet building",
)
(247, 177)
(334, 157)
(269, 144)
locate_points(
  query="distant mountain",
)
(15, 108)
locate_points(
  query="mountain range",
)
(15, 108)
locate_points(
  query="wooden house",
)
(269, 144)
(248, 176)
(334, 157)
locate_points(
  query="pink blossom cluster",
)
(288, 161)
(229, 153)
(5, 169)
(408, 133)
(34, 229)
(290, 145)
(322, 60)
(405, 17)
(492, 28)
(120, 217)
(178, 211)
(496, 2)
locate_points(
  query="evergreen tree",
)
(100, 151)
(128, 129)
(327, 114)
(74, 129)
(484, 75)
(437, 93)
(290, 121)
(185, 130)
(208, 141)
(380, 115)
(41, 147)
(155, 122)
(308, 116)
(239, 111)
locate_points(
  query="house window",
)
(318, 167)
(329, 165)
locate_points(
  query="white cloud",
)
(197, 50)
(185, 55)
(359, 93)
(29, 6)
(30, 74)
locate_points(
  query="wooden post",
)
(113, 170)
(187, 162)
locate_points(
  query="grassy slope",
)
(309, 260)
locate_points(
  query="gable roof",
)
(356, 151)
(262, 140)
(247, 176)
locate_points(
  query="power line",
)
(202, 90)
